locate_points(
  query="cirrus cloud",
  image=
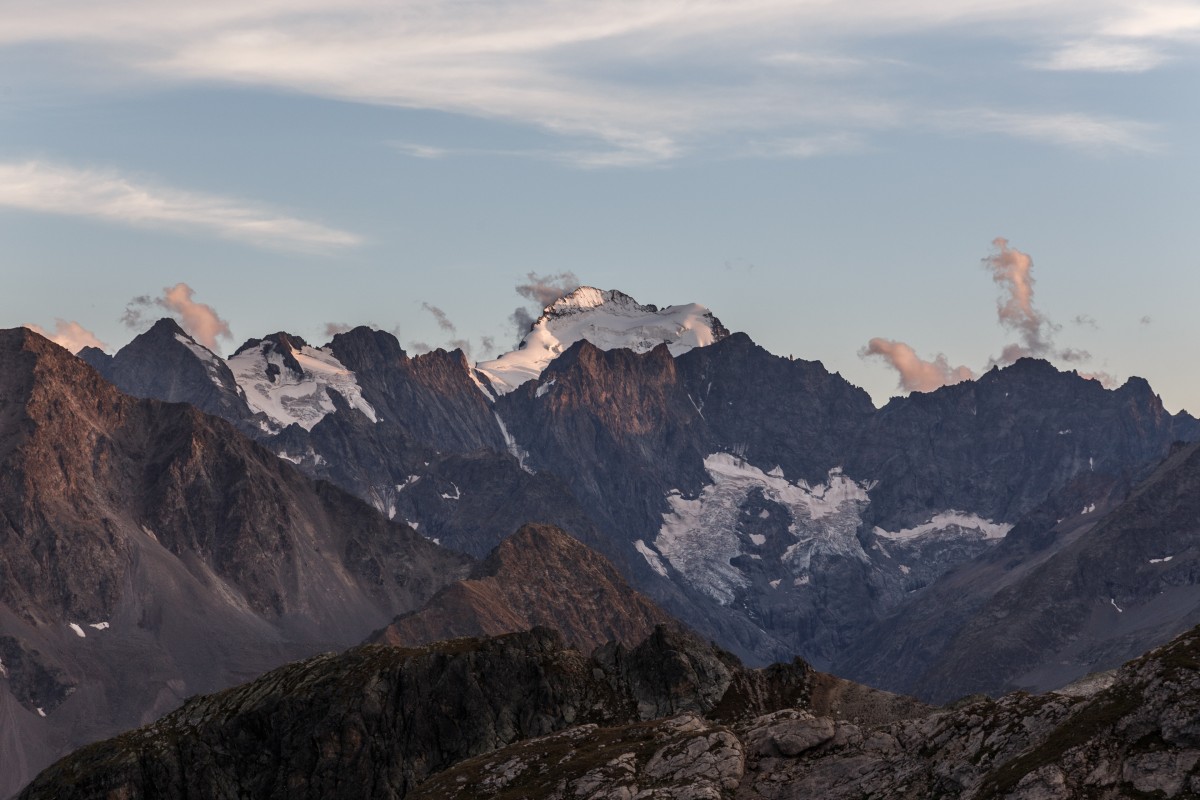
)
(628, 84)
(108, 195)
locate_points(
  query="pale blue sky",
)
(818, 174)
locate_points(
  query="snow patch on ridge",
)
(652, 558)
(952, 523)
(609, 320)
(212, 364)
(518, 452)
(699, 536)
(275, 389)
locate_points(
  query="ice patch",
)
(290, 398)
(518, 452)
(149, 533)
(777, 472)
(1117, 607)
(3, 669)
(409, 481)
(950, 522)
(100, 626)
(545, 387)
(1163, 560)
(78, 630)
(1064, 433)
(699, 536)
(775, 583)
(456, 496)
(1089, 508)
(652, 558)
(803, 580)
(904, 569)
(764, 514)
(41, 712)
(758, 539)
(607, 319)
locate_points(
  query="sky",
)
(909, 191)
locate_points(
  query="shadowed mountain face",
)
(538, 576)
(376, 721)
(148, 552)
(1080, 586)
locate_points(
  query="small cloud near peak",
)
(69, 334)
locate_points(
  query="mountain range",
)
(763, 500)
(212, 518)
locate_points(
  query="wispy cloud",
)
(1012, 271)
(69, 334)
(1085, 131)
(110, 196)
(1103, 55)
(622, 84)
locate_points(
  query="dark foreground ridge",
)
(521, 716)
(377, 721)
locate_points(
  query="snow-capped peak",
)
(288, 380)
(610, 320)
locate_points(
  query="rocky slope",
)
(1123, 735)
(140, 532)
(521, 717)
(377, 721)
(539, 576)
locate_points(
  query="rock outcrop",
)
(539, 576)
(378, 721)
(1132, 734)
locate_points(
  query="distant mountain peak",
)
(608, 319)
(287, 379)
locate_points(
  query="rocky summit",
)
(539, 576)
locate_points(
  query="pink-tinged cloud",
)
(915, 373)
(1012, 270)
(69, 334)
(198, 319)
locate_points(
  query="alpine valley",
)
(665, 540)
